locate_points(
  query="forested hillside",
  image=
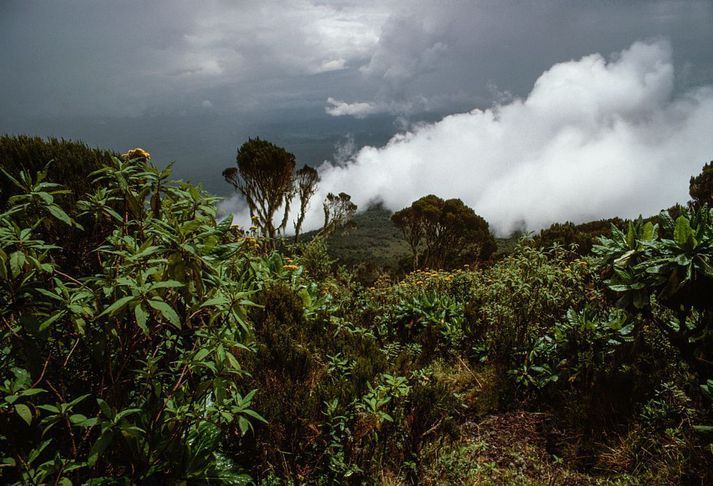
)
(144, 341)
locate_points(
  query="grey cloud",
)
(136, 58)
(453, 56)
(191, 80)
(130, 58)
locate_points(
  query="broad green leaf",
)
(167, 312)
(244, 425)
(682, 233)
(78, 400)
(82, 421)
(118, 305)
(48, 408)
(218, 300)
(59, 213)
(24, 412)
(233, 361)
(46, 197)
(77, 418)
(141, 318)
(648, 232)
(48, 322)
(666, 221)
(630, 235)
(254, 415)
(17, 261)
(624, 260)
(126, 413)
(166, 284)
(105, 408)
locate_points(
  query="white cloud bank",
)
(594, 138)
(362, 109)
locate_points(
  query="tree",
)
(444, 233)
(700, 187)
(411, 226)
(338, 211)
(265, 176)
(306, 181)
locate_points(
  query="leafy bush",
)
(134, 372)
(521, 297)
(49, 161)
(71, 163)
(577, 350)
(673, 269)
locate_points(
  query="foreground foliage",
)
(130, 373)
(174, 348)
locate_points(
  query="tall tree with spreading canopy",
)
(338, 211)
(444, 233)
(306, 181)
(265, 175)
(411, 225)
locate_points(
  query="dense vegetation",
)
(144, 341)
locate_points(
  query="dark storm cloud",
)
(100, 57)
(131, 58)
(435, 57)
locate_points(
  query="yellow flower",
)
(290, 267)
(137, 153)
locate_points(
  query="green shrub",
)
(579, 350)
(519, 298)
(131, 373)
(71, 164)
(675, 269)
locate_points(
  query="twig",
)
(475, 377)
(438, 424)
(42, 374)
(69, 355)
(69, 277)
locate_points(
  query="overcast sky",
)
(191, 80)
